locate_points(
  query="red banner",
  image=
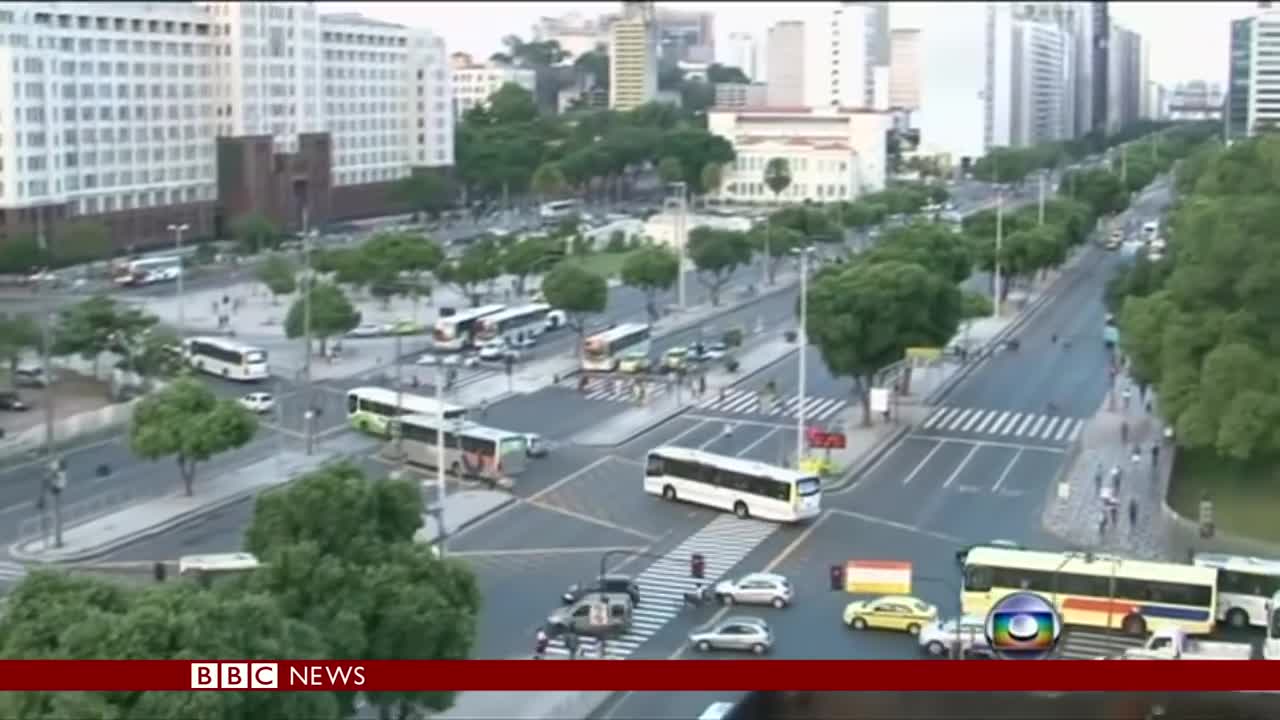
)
(642, 675)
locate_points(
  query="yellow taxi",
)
(891, 612)
(634, 363)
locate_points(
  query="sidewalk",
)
(1159, 533)
(100, 535)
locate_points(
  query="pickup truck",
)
(1174, 644)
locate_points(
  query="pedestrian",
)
(1116, 472)
(1124, 432)
(728, 429)
(702, 385)
(484, 408)
(1155, 455)
(571, 644)
(540, 642)
(1137, 454)
(1133, 513)
(1114, 509)
(604, 648)
(1102, 524)
(1097, 480)
(1126, 395)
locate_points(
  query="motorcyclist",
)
(697, 595)
(540, 642)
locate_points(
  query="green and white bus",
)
(370, 409)
(470, 449)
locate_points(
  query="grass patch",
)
(604, 264)
(1245, 496)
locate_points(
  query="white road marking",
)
(1007, 469)
(907, 480)
(960, 467)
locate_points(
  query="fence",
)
(82, 511)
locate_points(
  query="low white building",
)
(834, 153)
(662, 228)
(474, 83)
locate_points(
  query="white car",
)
(937, 638)
(495, 350)
(259, 402)
(526, 343)
(367, 330)
(756, 589)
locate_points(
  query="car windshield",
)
(918, 606)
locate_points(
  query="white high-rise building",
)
(838, 71)
(786, 68)
(116, 112)
(904, 69)
(1029, 65)
(633, 57)
(743, 53)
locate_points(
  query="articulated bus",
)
(1096, 591)
(601, 352)
(470, 449)
(1245, 587)
(371, 409)
(226, 359)
(458, 331)
(744, 487)
(518, 323)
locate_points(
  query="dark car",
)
(10, 400)
(606, 584)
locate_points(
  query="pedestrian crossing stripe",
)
(1029, 426)
(747, 402)
(723, 543)
(1077, 645)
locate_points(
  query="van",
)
(596, 614)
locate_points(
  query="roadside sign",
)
(927, 354)
(879, 400)
(599, 616)
(878, 577)
(823, 440)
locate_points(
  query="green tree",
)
(155, 354)
(777, 176)
(775, 245)
(526, 257)
(670, 170)
(717, 254)
(711, 178)
(651, 269)
(474, 271)
(255, 233)
(54, 614)
(280, 276)
(189, 422)
(97, 325)
(577, 291)
(548, 181)
(395, 264)
(872, 312)
(426, 192)
(331, 313)
(338, 551)
(19, 333)
(22, 255)
(929, 245)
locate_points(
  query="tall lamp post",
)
(177, 231)
(804, 346)
(996, 289)
(679, 200)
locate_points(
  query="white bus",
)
(457, 331)
(1104, 591)
(560, 209)
(470, 449)
(601, 352)
(1245, 587)
(518, 323)
(371, 409)
(226, 358)
(1271, 646)
(745, 487)
(149, 270)
(205, 568)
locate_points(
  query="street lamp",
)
(679, 228)
(804, 346)
(177, 231)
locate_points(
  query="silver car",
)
(756, 589)
(734, 633)
(970, 632)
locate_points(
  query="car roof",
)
(774, 577)
(743, 620)
(898, 599)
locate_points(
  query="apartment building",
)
(1236, 112)
(834, 153)
(1196, 100)
(743, 52)
(1124, 81)
(741, 95)
(785, 47)
(474, 83)
(1028, 67)
(904, 69)
(633, 57)
(140, 115)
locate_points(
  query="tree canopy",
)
(717, 254)
(652, 269)
(331, 313)
(577, 291)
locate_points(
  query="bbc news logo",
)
(235, 676)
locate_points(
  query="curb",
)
(1194, 528)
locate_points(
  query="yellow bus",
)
(1095, 590)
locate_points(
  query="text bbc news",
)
(271, 676)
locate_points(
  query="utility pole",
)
(995, 300)
(46, 338)
(682, 240)
(441, 531)
(177, 231)
(804, 347)
(308, 288)
(1043, 182)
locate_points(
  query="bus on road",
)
(226, 359)
(458, 331)
(560, 210)
(147, 271)
(1095, 590)
(371, 409)
(1245, 587)
(601, 352)
(1271, 646)
(470, 449)
(519, 323)
(744, 487)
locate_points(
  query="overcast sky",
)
(1189, 40)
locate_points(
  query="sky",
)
(1189, 40)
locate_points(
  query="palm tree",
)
(777, 177)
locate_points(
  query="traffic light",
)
(697, 566)
(837, 577)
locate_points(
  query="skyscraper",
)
(1101, 41)
(838, 71)
(1238, 85)
(633, 57)
(786, 66)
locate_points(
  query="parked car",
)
(259, 402)
(756, 589)
(32, 377)
(734, 633)
(10, 400)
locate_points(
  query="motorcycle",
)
(697, 598)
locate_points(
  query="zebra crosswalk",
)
(1085, 645)
(1004, 423)
(724, 542)
(749, 402)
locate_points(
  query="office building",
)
(1236, 111)
(1029, 64)
(1100, 66)
(1157, 102)
(836, 58)
(474, 83)
(1196, 100)
(879, 49)
(741, 95)
(633, 57)
(1124, 79)
(904, 69)
(743, 52)
(786, 64)
(575, 33)
(685, 36)
(833, 153)
(141, 115)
